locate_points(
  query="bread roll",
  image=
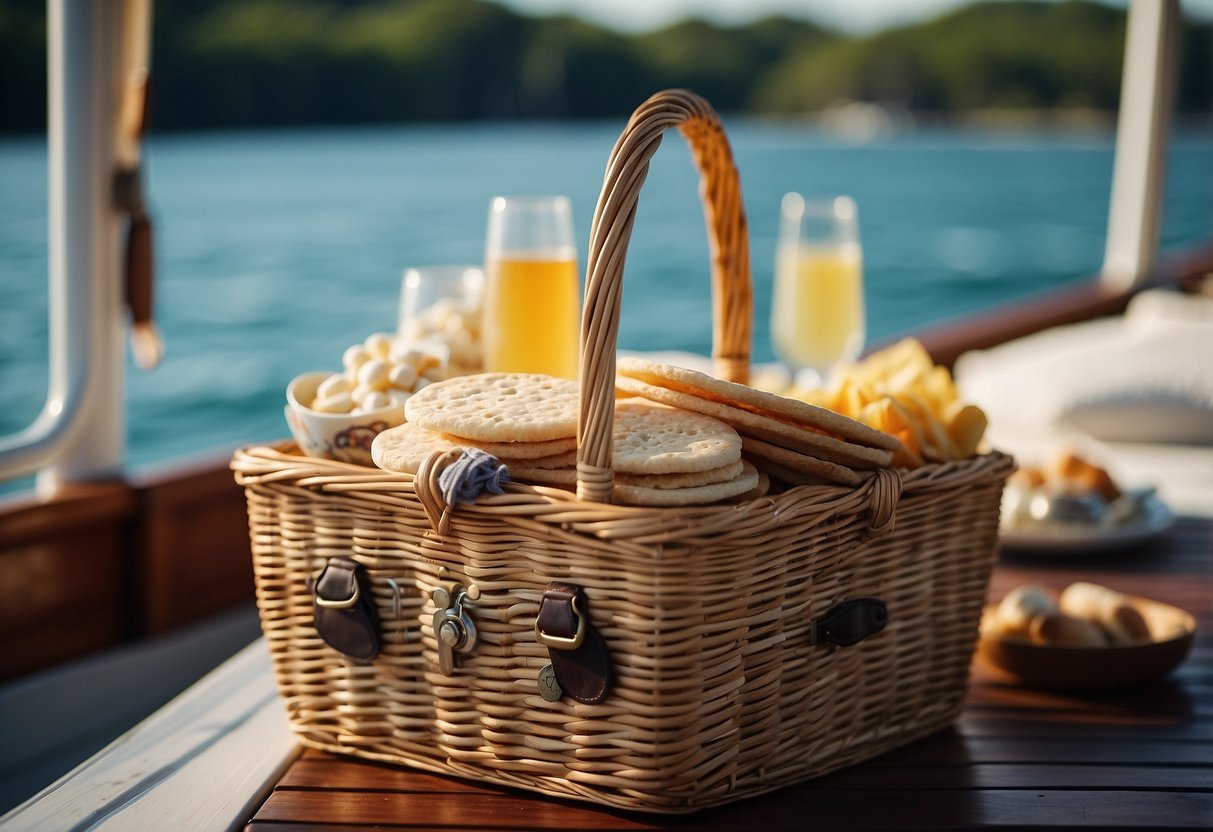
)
(1107, 608)
(1078, 475)
(1057, 628)
(1021, 605)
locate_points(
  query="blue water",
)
(279, 249)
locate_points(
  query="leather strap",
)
(579, 654)
(344, 606)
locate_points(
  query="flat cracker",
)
(809, 465)
(789, 476)
(638, 495)
(565, 477)
(760, 490)
(498, 407)
(521, 450)
(641, 482)
(404, 447)
(651, 439)
(689, 480)
(754, 400)
(764, 427)
(565, 460)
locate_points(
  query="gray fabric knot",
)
(472, 474)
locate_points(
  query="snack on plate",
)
(1021, 605)
(1070, 491)
(1084, 615)
(1106, 608)
(378, 373)
(661, 456)
(901, 391)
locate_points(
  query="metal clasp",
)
(454, 629)
(564, 642)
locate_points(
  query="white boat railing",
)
(80, 433)
(1147, 104)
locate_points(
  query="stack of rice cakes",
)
(662, 456)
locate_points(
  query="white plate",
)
(1082, 540)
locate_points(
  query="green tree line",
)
(226, 63)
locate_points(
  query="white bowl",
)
(345, 437)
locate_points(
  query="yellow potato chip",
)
(966, 427)
(932, 428)
(901, 391)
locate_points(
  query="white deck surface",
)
(202, 762)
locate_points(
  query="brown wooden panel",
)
(820, 807)
(975, 723)
(352, 775)
(195, 556)
(65, 586)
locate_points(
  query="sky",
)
(857, 16)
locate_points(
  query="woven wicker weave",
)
(718, 693)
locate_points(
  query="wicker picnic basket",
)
(723, 686)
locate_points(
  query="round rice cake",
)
(649, 438)
(811, 466)
(498, 407)
(752, 399)
(524, 472)
(565, 460)
(760, 490)
(404, 447)
(688, 480)
(521, 472)
(522, 450)
(783, 434)
(638, 495)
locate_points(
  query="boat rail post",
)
(1147, 105)
(80, 433)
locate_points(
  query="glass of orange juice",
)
(532, 295)
(817, 312)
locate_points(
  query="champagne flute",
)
(532, 295)
(817, 313)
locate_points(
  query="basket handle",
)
(728, 243)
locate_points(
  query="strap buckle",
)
(339, 603)
(564, 642)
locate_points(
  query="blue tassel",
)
(474, 473)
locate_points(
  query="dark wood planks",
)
(65, 578)
(1131, 759)
(101, 563)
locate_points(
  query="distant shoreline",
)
(1076, 121)
(236, 64)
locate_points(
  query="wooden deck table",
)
(1138, 758)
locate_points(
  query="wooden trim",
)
(193, 553)
(97, 564)
(66, 586)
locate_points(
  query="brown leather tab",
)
(345, 609)
(579, 654)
